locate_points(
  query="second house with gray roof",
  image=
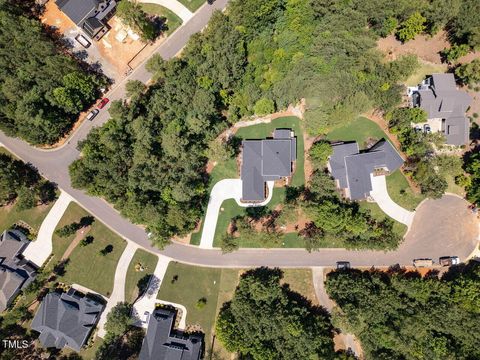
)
(352, 168)
(266, 160)
(445, 106)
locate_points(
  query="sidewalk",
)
(39, 250)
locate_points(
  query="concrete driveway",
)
(39, 250)
(118, 293)
(380, 194)
(223, 190)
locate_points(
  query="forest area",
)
(149, 159)
(402, 315)
(43, 89)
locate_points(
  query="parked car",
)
(343, 265)
(92, 114)
(102, 103)
(418, 263)
(418, 128)
(82, 40)
(449, 260)
(427, 129)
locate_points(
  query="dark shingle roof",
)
(66, 319)
(15, 272)
(266, 160)
(163, 343)
(352, 168)
(443, 100)
(78, 10)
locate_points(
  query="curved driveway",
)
(419, 243)
(223, 190)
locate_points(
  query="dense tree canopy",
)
(42, 90)
(267, 321)
(20, 181)
(400, 315)
(259, 56)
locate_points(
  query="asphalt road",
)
(54, 166)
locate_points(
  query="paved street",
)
(444, 227)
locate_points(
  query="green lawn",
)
(363, 131)
(192, 5)
(87, 267)
(218, 287)
(192, 284)
(378, 214)
(229, 170)
(423, 70)
(149, 262)
(10, 215)
(173, 21)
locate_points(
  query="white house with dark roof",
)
(15, 272)
(445, 106)
(352, 169)
(266, 160)
(66, 320)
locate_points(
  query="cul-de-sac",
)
(239, 179)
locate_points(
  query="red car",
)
(102, 103)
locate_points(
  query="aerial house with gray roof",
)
(352, 168)
(15, 271)
(162, 342)
(266, 160)
(89, 15)
(66, 319)
(445, 106)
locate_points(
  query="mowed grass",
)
(148, 262)
(9, 215)
(218, 286)
(193, 284)
(86, 266)
(229, 169)
(173, 20)
(192, 5)
(364, 131)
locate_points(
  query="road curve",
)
(54, 166)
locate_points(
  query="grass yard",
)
(10, 215)
(149, 262)
(301, 281)
(423, 70)
(192, 5)
(192, 284)
(173, 21)
(87, 267)
(362, 130)
(378, 214)
(218, 287)
(229, 170)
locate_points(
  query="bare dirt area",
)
(52, 16)
(424, 46)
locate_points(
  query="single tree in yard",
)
(119, 319)
(132, 14)
(411, 27)
(266, 320)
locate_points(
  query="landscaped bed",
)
(141, 268)
(87, 266)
